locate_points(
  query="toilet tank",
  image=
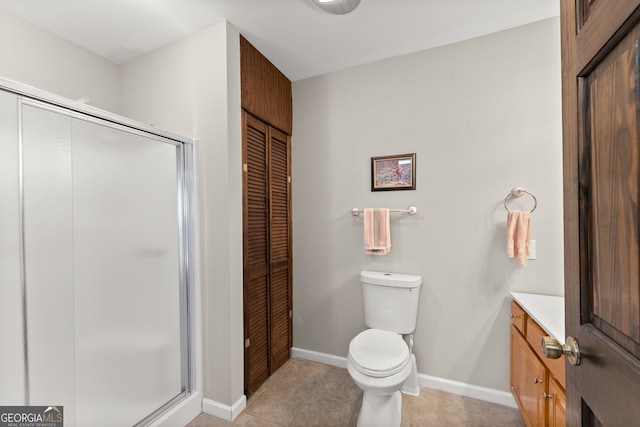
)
(390, 300)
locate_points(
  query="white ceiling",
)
(301, 40)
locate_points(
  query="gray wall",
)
(37, 58)
(483, 116)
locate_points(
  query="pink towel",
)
(518, 235)
(377, 232)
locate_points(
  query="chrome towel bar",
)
(411, 210)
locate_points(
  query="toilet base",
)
(411, 386)
(380, 410)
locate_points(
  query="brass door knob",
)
(552, 349)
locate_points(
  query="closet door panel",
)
(48, 249)
(126, 274)
(279, 196)
(258, 350)
(12, 366)
(256, 254)
(279, 239)
(280, 320)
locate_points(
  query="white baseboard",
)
(327, 359)
(220, 410)
(469, 390)
(183, 413)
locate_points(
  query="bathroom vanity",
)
(537, 383)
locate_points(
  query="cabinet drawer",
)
(519, 318)
(534, 337)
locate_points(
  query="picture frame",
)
(396, 172)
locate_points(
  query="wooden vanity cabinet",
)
(537, 383)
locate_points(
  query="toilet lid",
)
(378, 353)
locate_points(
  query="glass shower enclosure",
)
(95, 264)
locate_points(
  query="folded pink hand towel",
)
(518, 235)
(377, 231)
(512, 223)
(524, 237)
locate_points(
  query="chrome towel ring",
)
(518, 192)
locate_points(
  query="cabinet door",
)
(557, 404)
(528, 379)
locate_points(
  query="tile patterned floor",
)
(307, 394)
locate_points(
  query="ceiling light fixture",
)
(337, 7)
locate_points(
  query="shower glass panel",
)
(48, 257)
(125, 239)
(104, 273)
(12, 363)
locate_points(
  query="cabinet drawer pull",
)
(546, 395)
(537, 380)
(513, 316)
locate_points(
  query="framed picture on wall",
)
(396, 172)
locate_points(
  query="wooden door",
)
(601, 112)
(267, 250)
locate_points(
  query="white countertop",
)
(547, 310)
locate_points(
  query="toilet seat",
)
(379, 353)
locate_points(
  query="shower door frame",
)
(187, 217)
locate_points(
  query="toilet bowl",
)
(379, 362)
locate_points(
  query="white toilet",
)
(380, 362)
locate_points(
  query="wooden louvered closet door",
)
(267, 250)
